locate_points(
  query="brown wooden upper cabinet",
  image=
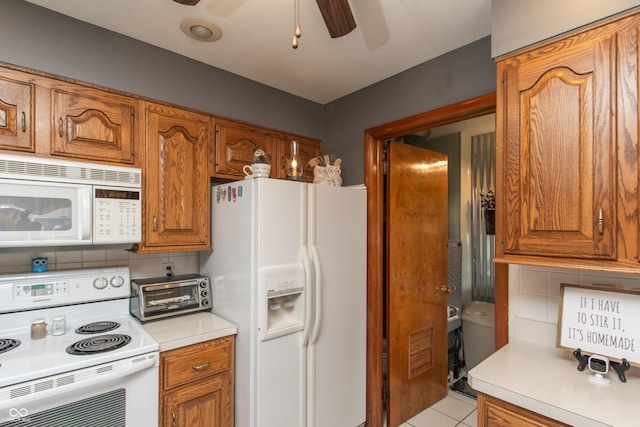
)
(235, 142)
(176, 183)
(91, 124)
(567, 161)
(17, 113)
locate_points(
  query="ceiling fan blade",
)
(188, 2)
(337, 17)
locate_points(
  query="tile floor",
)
(456, 409)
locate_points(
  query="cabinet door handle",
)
(600, 222)
(201, 367)
(60, 125)
(155, 223)
(23, 122)
(173, 419)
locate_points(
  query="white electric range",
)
(100, 369)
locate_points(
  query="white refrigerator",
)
(288, 267)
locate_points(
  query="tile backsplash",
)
(141, 266)
(534, 298)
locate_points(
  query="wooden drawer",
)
(194, 362)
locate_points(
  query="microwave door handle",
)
(85, 212)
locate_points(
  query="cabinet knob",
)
(444, 289)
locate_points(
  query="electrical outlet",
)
(168, 268)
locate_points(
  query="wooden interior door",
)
(416, 267)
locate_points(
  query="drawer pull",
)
(173, 419)
(201, 367)
(60, 126)
(23, 122)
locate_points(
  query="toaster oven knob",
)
(100, 283)
(205, 302)
(117, 281)
(203, 284)
(204, 293)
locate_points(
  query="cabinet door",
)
(206, 403)
(176, 180)
(558, 143)
(235, 143)
(92, 124)
(17, 114)
(308, 149)
(493, 412)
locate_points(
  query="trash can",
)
(478, 332)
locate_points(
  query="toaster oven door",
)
(169, 299)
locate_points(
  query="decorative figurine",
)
(39, 264)
(261, 156)
(326, 173)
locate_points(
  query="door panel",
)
(416, 266)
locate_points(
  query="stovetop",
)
(39, 358)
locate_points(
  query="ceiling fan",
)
(336, 13)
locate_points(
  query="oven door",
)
(36, 213)
(117, 394)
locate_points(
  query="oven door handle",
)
(25, 400)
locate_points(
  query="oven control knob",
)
(100, 283)
(117, 281)
(204, 293)
(205, 302)
(203, 283)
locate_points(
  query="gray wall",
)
(458, 75)
(516, 24)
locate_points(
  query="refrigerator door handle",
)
(304, 345)
(308, 294)
(315, 259)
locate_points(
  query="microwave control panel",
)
(117, 215)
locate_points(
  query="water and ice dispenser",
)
(282, 300)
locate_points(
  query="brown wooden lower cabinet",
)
(494, 412)
(197, 385)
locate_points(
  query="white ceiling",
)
(391, 36)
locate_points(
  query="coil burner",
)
(7, 344)
(98, 344)
(97, 327)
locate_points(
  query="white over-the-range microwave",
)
(51, 202)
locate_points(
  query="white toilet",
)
(478, 332)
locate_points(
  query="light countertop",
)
(181, 331)
(545, 380)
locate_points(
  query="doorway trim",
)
(374, 180)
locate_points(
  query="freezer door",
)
(280, 237)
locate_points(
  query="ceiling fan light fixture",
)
(201, 29)
(297, 32)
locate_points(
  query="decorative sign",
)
(600, 321)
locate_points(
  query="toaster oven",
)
(158, 298)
